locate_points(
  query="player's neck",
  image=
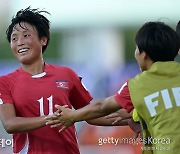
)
(35, 68)
(149, 64)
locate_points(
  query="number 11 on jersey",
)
(41, 101)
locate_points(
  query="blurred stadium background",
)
(96, 39)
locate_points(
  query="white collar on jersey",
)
(39, 75)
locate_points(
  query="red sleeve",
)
(123, 98)
(79, 96)
(5, 94)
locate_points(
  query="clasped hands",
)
(62, 117)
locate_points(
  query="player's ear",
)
(44, 41)
(145, 55)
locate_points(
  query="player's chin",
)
(26, 60)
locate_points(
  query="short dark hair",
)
(33, 17)
(178, 28)
(158, 40)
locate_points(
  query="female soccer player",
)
(29, 93)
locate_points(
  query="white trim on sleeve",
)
(122, 87)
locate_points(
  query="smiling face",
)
(25, 43)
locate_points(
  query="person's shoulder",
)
(138, 79)
(9, 76)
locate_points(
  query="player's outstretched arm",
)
(96, 109)
(119, 116)
(53, 120)
(14, 124)
(103, 121)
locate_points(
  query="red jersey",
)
(123, 98)
(35, 96)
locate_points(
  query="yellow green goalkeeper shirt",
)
(155, 94)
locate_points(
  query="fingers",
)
(117, 120)
(113, 115)
(52, 122)
(56, 125)
(59, 118)
(60, 108)
(63, 128)
(57, 113)
(51, 117)
(117, 114)
(66, 106)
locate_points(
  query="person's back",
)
(158, 103)
(155, 92)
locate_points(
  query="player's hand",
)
(118, 116)
(136, 128)
(62, 117)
